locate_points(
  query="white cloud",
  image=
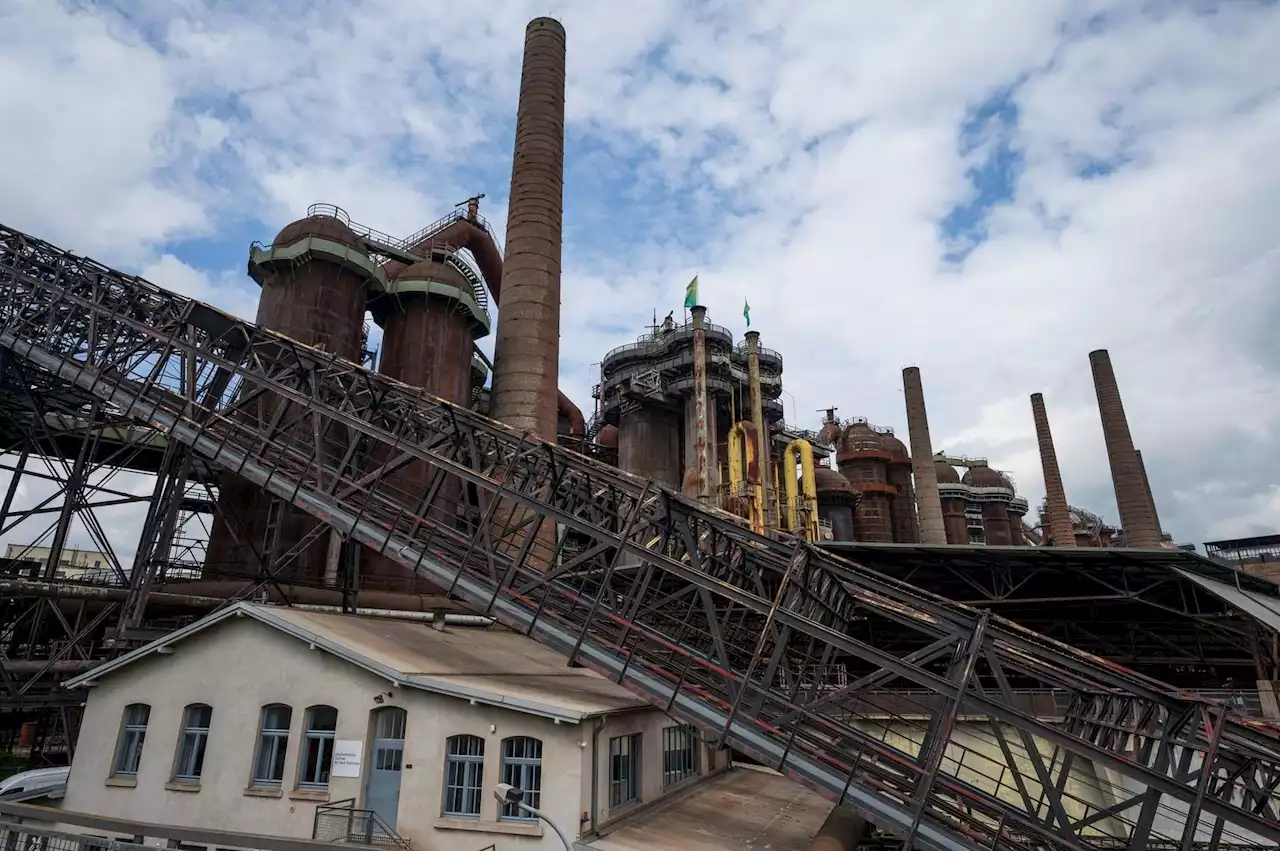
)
(798, 155)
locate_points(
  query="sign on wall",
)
(346, 757)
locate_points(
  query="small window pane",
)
(679, 754)
(195, 736)
(273, 743)
(133, 735)
(464, 776)
(522, 768)
(624, 763)
(317, 747)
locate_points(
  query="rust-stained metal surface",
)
(902, 506)
(426, 342)
(701, 430)
(527, 344)
(1136, 515)
(862, 460)
(742, 808)
(321, 304)
(608, 437)
(757, 419)
(995, 524)
(836, 503)
(928, 503)
(1060, 530)
(648, 442)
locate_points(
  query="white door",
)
(382, 789)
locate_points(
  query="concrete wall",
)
(241, 665)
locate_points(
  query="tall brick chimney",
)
(1060, 530)
(1136, 515)
(527, 347)
(928, 504)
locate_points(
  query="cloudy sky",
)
(987, 189)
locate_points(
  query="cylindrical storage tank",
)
(995, 511)
(953, 519)
(1015, 529)
(314, 279)
(864, 463)
(608, 437)
(431, 318)
(836, 501)
(902, 506)
(649, 444)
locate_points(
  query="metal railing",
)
(341, 821)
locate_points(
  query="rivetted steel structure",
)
(980, 507)
(647, 391)
(735, 633)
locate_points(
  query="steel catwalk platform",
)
(727, 630)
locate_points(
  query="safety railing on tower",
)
(675, 601)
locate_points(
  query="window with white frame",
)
(133, 733)
(679, 754)
(317, 747)
(196, 719)
(624, 769)
(463, 776)
(273, 743)
(522, 768)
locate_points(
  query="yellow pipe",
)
(744, 475)
(809, 486)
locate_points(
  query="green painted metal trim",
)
(427, 286)
(344, 255)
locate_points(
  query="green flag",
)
(691, 293)
(746, 311)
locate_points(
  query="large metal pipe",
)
(928, 503)
(842, 831)
(527, 347)
(1136, 516)
(757, 419)
(701, 432)
(806, 526)
(1060, 533)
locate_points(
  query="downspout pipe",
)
(595, 774)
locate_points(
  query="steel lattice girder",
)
(678, 603)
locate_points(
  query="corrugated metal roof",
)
(1265, 608)
(490, 665)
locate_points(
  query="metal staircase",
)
(724, 629)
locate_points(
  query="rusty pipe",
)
(808, 527)
(571, 412)
(757, 410)
(744, 473)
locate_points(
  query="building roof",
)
(489, 665)
(747, 807)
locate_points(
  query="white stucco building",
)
(252, 718)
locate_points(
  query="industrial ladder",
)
(722, 628)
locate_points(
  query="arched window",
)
(273, 743)
(196, 719)
(317, 747)
(133, 732)
(522, 768)
(463, 775)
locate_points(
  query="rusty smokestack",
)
(928, 503)
(1151, 500)
(1061, 533)
(1136, 516)
(527, 346)
(757, 419)
(701, 437)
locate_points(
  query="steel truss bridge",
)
(722, 628)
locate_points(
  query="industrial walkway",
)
(730, 631)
